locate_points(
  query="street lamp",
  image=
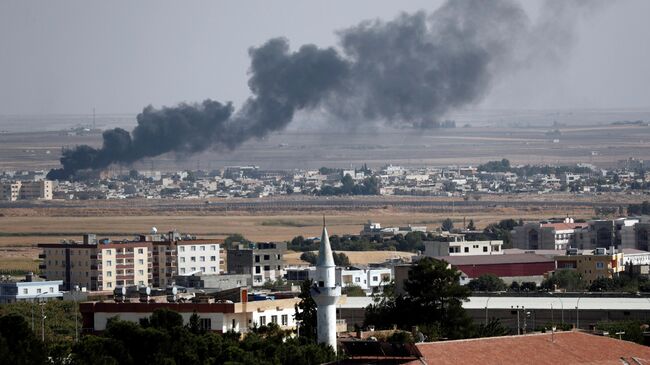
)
(486, 310)
(36, 299)
(43, 316)
(578, 314)
(76, 310)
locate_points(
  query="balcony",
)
(42, 267)
(41, 256)
(93, 267)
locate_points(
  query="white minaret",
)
(325, 292)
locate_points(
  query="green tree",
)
(341, 259)
(18, 344)
(488, 283)
(433, 301)
(471, 226)
(493, 328)
(353, 291)
(569, 280)
(447, 225)
(233, 239)
(306, 311)
(309, 256)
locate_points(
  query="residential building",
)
(547, 235)
(199, 256)
(263, 260)
(12, 291)
(602, 263)
(98, 265)
(26, 190)
(148, 260)
(455, 245)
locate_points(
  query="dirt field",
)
(21, 229)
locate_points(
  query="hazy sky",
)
(118, 56)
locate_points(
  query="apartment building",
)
(149, 260)
(26, 190)
(455, 245)
(601, 263)
(97, 265)
(548, 235)
(199, 256)
(264, 261)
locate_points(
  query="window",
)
(38, 291)
(234, 324)
(214, 248)
(267, 268)
(357, 280)
(257, 269)
(202, 258)
(257, 258)
(262, 320)
(203, 269)
(193, 258)
(213, 258)
(140, 272)
(109, 263)
(141, 261)
(202, 248)
(192, 248)
(24, 291)
(375, 278)
(274, 319)
(182, 270)
(485, 249)
(181, 249)
(182, 259)
(278, 256)
(141, 283)
(213, 269)
(600, 265)
(285, 320)
(51, 289)
(193, 268)
(109, 285)
(109, 274)
(140, 250)
(466, 249)
(108, 252)
(267, 257)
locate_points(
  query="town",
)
(496, 177)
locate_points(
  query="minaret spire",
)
(326, 293)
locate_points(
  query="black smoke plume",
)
(411, 70)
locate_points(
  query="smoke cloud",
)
(411, 70)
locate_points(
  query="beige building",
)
(98, 265)
(26, 190)
(601, 264)
(150, 260)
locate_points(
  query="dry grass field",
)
(356, 257)
(22, 229)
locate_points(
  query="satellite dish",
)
(154, 230)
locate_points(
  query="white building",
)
(198, 257)
(457, 246)
(219, 317)
(17, 291)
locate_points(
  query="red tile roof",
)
(567, 348)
